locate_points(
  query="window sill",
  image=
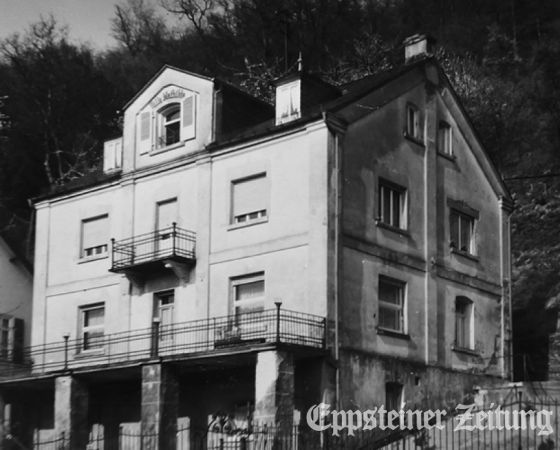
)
(82, 354)
(466, 351)
(235, 226)
(167, 148)
(451, 157)
(87, 259)
(386, 226)
(393, 333)
(414, 139)
(465, 255)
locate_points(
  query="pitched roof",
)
(349, 93)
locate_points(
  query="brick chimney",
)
(418, 45)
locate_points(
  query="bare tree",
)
(138, 26)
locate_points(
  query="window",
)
(462, 231)
(288, 102)
(391, 205)
(164, 304)
(249, 199)
(92, 326)
(248, 294)
(169, 131)
(95, 235)
(445, 139)
(393, 396)
(4, 337)
(391, 304)
(168, 119)
(112, 155)
(463, 323)
(413, 122)
(11, 338)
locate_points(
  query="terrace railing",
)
(216, 334)
(165, 243)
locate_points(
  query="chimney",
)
(418, 45)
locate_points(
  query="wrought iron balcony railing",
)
(214, 335)
(159, 245)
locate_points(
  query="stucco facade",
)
(15, 307)
(224, 267)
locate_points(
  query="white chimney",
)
(418, 45)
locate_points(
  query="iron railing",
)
(216, 334)
(157, 245)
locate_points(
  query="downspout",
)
(336, 266)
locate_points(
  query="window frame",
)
(240, 280)
(456, 244)
(401, 308)
(83, 310)
(402, 193)
(447, 141)
(259, 216)
(5, 341)
(104, 248)
(162, 123)
(412, 128)
(466, 340)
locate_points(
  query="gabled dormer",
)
(168, 120)
(178, 113)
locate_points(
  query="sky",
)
(89, 20)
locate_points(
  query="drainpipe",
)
(336, 264)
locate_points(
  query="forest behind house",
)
(60, 99)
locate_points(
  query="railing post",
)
(278, 304)
(66, 336)
(174, 237)
(324, 332)
(112, 252)
(155, 338)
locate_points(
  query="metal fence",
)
(520, 426)
(216, 334)
(152, 246)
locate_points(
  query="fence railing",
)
(156, 245)
(521, 425)
(216, 334)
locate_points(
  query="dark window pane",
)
(396, 220)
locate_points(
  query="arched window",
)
(170, 125)
(463, 323)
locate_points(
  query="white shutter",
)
(95, 232)
(249, 195)
(144, 127)
(188, 120)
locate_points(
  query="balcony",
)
(171, 247)
(219, 336)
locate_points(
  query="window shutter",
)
(95, 232)
(249, 196)
(145, 132)
(16, 340)
(189, 118)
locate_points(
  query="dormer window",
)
(288, 104)
(168, 119)
(170, 125)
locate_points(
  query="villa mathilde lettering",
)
(468, 418)
(168, 94)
